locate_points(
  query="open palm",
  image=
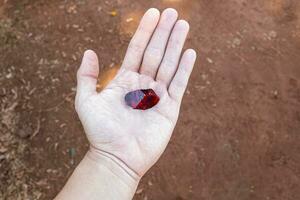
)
(135, 139)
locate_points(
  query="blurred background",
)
(238, 136)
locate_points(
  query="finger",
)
(171, 59)
(156, 48)
(138, 44)
(181, 78)
(87, 75)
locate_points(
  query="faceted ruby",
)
(141, 99)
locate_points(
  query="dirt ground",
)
(238, 136)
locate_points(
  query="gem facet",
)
(141, 99)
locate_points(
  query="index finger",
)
(140, 40)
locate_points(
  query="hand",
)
(135, 139)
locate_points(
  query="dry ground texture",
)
(238, 137)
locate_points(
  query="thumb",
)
(87, 76)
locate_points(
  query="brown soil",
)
(238, 136)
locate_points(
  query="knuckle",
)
(147, 71)
(152, 58)
(180, 83)
(175, 43)
(154, 52)
(164, 29)
(145, 29)
(169, 63)
(136, 48)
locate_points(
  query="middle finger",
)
(156, 48)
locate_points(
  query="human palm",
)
(137, 138)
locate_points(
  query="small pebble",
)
(209, 60)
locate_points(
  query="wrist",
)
(115, 166)
(97, 177)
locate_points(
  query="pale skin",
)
(124, 142)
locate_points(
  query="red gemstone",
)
(141, 99)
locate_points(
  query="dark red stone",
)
(141, 99)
